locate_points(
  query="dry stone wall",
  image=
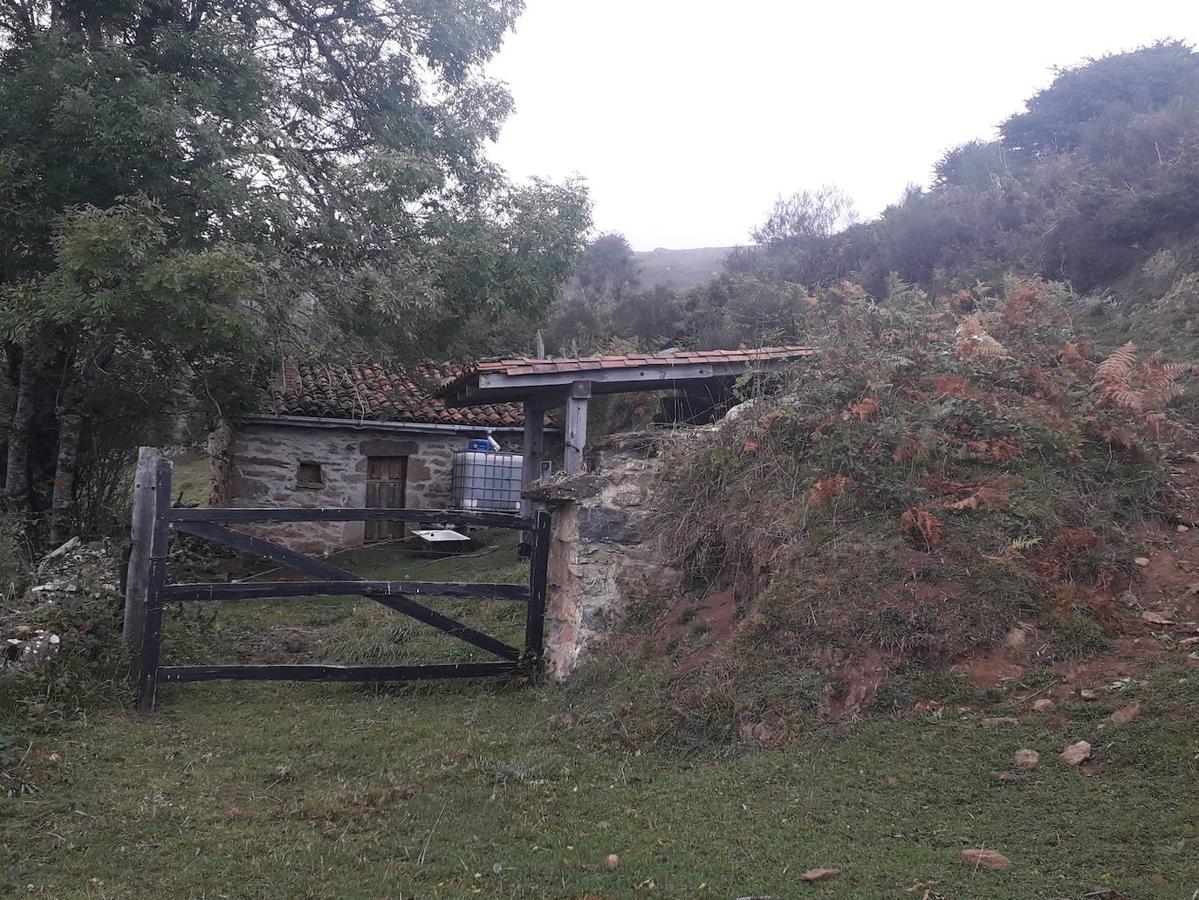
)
(603, 557)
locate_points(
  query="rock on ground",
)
(1027, 759)
(1076, 753)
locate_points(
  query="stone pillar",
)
(602, 557)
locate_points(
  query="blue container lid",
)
(478, 444)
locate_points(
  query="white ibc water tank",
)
(483, 480)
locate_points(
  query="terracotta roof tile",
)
(537, 366)
(372, 393)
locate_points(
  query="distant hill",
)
(679, 269)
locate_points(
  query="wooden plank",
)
(178, 674)
(141, 534)
(321, 569)
(245, 543)
(533, 450)
(300, 514)
(452, 627)
(148, 655)
(538, 581)
(576, 426)
(261, 590)
(516, 387)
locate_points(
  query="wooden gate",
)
(148, 591)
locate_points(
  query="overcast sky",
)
(689, 117)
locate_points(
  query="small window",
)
(310, 475)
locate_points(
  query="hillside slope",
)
(948, 479)
(679, 270)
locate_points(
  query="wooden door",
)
(386, 479)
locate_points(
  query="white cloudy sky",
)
(688, 117)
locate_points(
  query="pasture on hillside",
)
(514, 790)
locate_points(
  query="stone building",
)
(349, 436)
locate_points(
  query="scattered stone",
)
(892, 781)
(558, 721)
(1088, 695)
(1182, 529)
(1142, 561)
(613, 861)
(996, 721)
(1015, 638)
(1076, 753)
(1126, 714)
(1027, 759)
(1004, 775)
(1154, 618)
(985, 859)
(1044, 705)
(1157, 880)
(813, 875)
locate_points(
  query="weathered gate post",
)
(147, 571)
(141, 533)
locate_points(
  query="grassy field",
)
(459, 790)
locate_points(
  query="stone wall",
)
(602, 558)
(258, 465)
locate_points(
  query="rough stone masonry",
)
(603, 558)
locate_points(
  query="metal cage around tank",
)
(486, 480)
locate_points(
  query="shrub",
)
(940, 471)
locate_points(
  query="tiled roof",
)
(535, 366)
(373, 393)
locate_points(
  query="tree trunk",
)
(16, 482)
(69, 414)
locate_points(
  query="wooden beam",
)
(336, 673)
(533, 450)
(304, 514)
(576, 426)
(262, 590)
(632, 378)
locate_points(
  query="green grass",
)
(191, 475)
(459, 790)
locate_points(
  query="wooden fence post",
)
(148, 651)
(538, 580)
(576, 426)
(141, 533)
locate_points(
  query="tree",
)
(1091, 103)
(608, 269)
(806, 214)
(289, 175)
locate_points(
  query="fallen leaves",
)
(865, 409)
(825, 489)
(920, 524)
(813, 875)
(985, 859)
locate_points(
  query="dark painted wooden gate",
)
(155, 519)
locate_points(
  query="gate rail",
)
(148, 591)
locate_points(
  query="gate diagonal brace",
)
(398, 602)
